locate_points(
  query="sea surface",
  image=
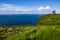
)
(19, 19)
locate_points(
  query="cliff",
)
(49, 19)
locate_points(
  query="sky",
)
(29, 6)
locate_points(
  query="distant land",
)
(49, 19)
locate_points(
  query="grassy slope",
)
(38, 32)
(50, 19)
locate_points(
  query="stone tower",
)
(53, 12)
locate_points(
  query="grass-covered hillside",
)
(49, 19)
(34, 32)
(41, 32)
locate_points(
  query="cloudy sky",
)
(29, 6)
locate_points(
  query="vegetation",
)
(50, 30)
(40, 32)
(50, 19)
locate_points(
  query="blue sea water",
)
(19, 19)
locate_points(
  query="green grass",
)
(50, 30)
(40, 32)
(49, 19)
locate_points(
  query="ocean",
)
(19, 19)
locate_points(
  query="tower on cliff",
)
(53, 12)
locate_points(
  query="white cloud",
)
(40, 8)
(47, 7)
(44, 8)
(10, 8)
